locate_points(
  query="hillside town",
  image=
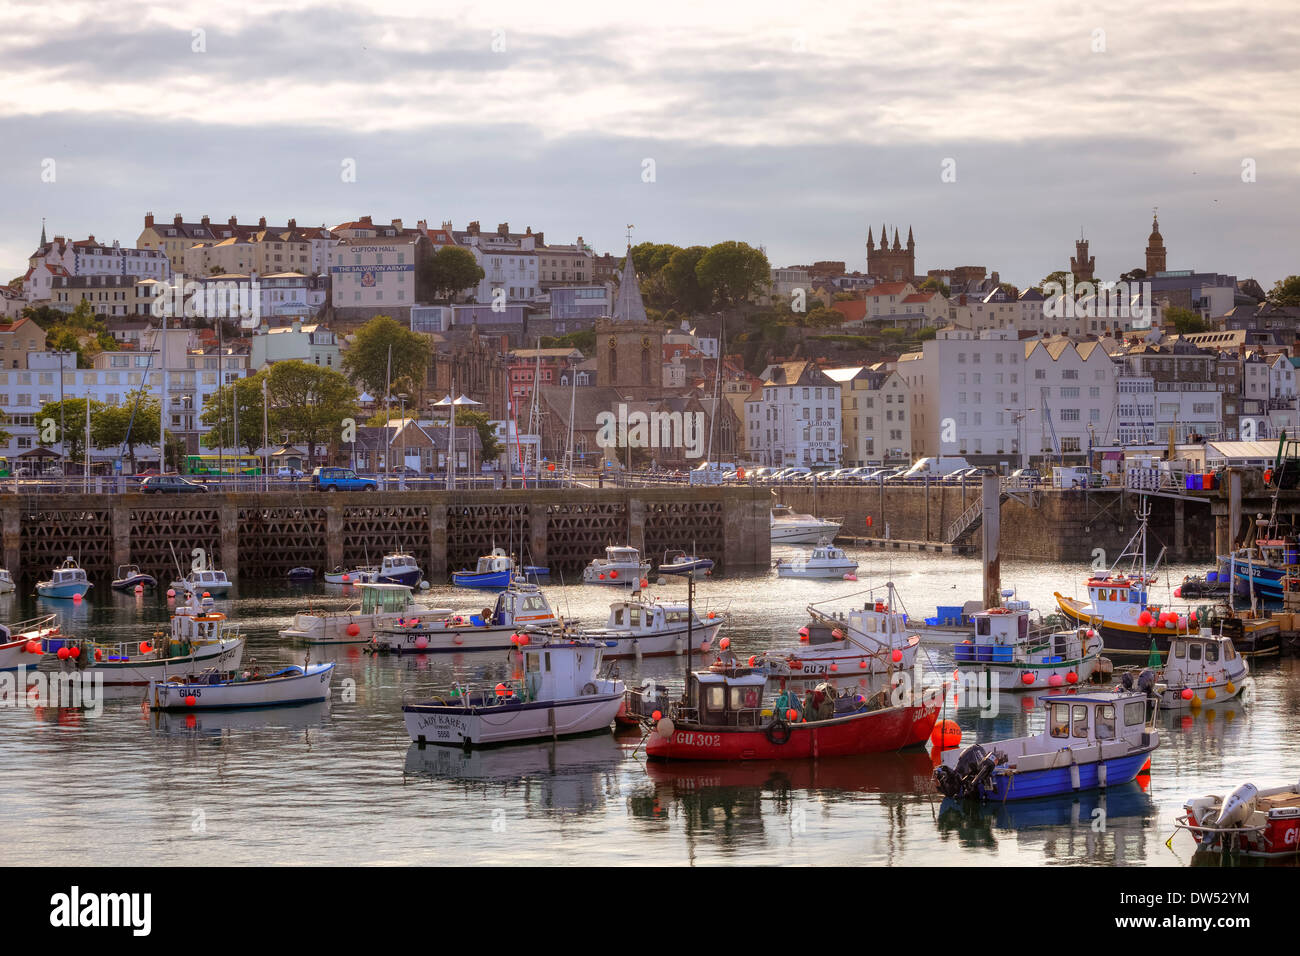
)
(241, 345)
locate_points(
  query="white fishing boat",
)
(639, 627)
(67, 581)
(1010, 653)
(199, 639)
(363, 575)
(621, 565)
(679, 562)
(520, 607)
(21, 643)
(213, 690)
(826, 561)
(873, 639)
(7, 585)
(380, 605)
(199, 582)
(1200, 669)
(790, 527)
(560, 695)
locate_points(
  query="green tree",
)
(70, 414)
(465, 418)
(129, 424)
(1185, 321)
(309, 403)
(1286, 292)
(239, 403)
(366, 359)
(733, 272)
(681, 281)
(650, 258)
(824, 318)
(44, 315)
(445, 273)
(934, 285)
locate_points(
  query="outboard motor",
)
(967, 778)
(1147, 682)
(1126, 680)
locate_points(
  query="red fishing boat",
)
(723, 718)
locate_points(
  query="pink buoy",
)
(1026, 678)
(171, 592)
(897, 655)
(76, 599)
(724, 643)
(346, 578)
(421, 642)
(139, 589)
(1055, 680)
(1187, 693)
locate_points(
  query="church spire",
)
(911, 243)
(628, 306)
(44, 241)
(897, 246)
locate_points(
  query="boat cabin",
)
(827, 553)
(195, 623)
(1194, 657)
(645, 617)
(1096, 718)
(495, 562)
(1115, 593)
(384, 598)
(619, 554)
(732, 698)
(198, 579)
(125, 571)
(559, 671)
(397, 564)
(523, 604)
(68, 573)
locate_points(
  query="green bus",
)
(223, 465)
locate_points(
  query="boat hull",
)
(1057, 781)
(224, 656)
(308, 687)
(449, 639)
(881, 731)
(1134, 640)
(509, 723)
(1044, 675)
(129, 583)
(686, 567)
(804, 534)
(842, 662)
(410, 578)
(623, 644)
(13, 654)
(62, 592)
(835, 572)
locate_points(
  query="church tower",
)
(1155, 249)
(896, 263)
(1082, 264)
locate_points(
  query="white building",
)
(1070, 398)
(374, 273)
(795, 418)
(313, 344)
(876, 415)
(88, 257)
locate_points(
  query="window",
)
(1135, 713)
(1080, 720)
(1059, 720)
(1106, 722)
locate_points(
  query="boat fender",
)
(778, 733)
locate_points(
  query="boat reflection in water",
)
(212, 723)
(574, 774)
(1097, 826)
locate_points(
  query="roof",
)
(853, 310)
(888, 288)
(1243, 449)
(628, 306)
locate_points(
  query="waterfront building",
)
(876, 412)
(795, 418)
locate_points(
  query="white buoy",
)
(662, 581)
(636, 651)
(424, 585)
(139, 589)
(678, 649)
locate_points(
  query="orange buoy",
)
(945, 735)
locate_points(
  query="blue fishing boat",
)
(399, 568)
(1091, 741)
(495, 571)
(68, 581)
(1262, 572)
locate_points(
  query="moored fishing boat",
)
(520, 607)
(341, 575)
(495, 571)
(21, 643)
(7, 585)
(1200, 669)
(199, 640)
(380, 605)
(301, 574)
(68, 581)
(212, 690)
(399, 568)
(1014, 655)
(679, 562)
(826, 561)
(873, 639)
(1091, 740)
(202, 581)
(560, 695)
(723, 718)
(1249, 822)
(621, 565)
(640, 627)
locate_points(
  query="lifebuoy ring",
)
(588, 689)
(778, 733)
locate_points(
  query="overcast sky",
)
(794, 126)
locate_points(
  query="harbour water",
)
(341, 783)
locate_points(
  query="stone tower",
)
(1081, 264)
(1155, 249)
(892, 264)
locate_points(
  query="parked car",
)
(1027, 477)
(340, 479)
(286, 472)
(170, 484)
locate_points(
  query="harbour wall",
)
(262, 536)
(1045, 525)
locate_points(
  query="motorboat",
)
(25, 638)
(7, 585)
(68, 581)
(301, 574)
(399, 568)
(129, 577)
(212, 690)
(1200, 669)
(1092, 740)
(790, 527)
(495, 571)
(1009, 653)
(1247, 822)
(520, 610)
(724, 717)
(203, 581)
(679, 562)
(826, 561)
(380, 605)
(560, 695)
(640, 627)
(621, 565)
(341, 575)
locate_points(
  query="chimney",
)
(446, 224)
(423, 226)
(397, 224)
(541, 239)
(261, 223)
(232, 221)
(205, 220)
(474, 228)
(92, 238)
(366, 221)
(293, 223)
(148, 220)
(177, 221)
(503, 229)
